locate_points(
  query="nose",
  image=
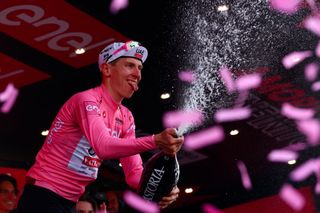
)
(137, 73)
(12, 196)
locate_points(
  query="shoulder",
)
(127, 114)
(87, 95)
(125, 110)
(87, 98)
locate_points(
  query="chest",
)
(113, 120)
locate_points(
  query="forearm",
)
(107, 147)
(133, 168)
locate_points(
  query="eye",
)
(130, 65)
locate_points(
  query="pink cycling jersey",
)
(90, 127)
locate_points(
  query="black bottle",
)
(160, 175)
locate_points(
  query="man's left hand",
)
(170, 198)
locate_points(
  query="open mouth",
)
(133, 84)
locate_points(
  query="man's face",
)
(113, 202)
(84, 207)
(8, 196)
(125, 75)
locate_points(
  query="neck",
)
(113, 95)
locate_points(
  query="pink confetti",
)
(282, 156)
(8, 97)
(318, 50)
(204, 138)
(294, 58)
(246, 182)
(209, 208)
(186, 76)
(182, 118)
(296, 147)
(286, 6)
(311, 129)
(117, 5)
(241, 99)
(311, 23)
(305, 170)
(315, 86)
(140, 204)
(224, 115)
(292, 197)
(311, 71)
(7, 92)
(296, 113)
(248, 82)
(317, 186)
(227, 79)
(312, 5)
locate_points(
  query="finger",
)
(172, 131)
(165, 203)
(175, 142)
(176, 190)
(163, 206)
(169, 198)
(170, 150)
(179, 140)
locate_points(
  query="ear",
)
(105, 69)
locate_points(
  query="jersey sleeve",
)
(132, 168)
(132, 165)
(87, 113)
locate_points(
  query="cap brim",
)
(140, 53)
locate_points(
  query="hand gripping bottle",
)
(160, 175)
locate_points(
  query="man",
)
(8, 193)
(87, 204)
(113, 202)
(92, 126)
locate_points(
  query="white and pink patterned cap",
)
(119, 49)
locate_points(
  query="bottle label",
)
(153, 183)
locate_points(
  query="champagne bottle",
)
(160, 175)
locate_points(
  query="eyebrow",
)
(139, 65)
(16, 191)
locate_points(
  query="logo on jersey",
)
(119, 121)
(58, 124)
(91, 162)
(92, 108)
(132, 127)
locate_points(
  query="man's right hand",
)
(168, 141)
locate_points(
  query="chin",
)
(128, 96)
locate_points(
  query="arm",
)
(132, 168)
(132, 165)
(107, 147)
(92, 125)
